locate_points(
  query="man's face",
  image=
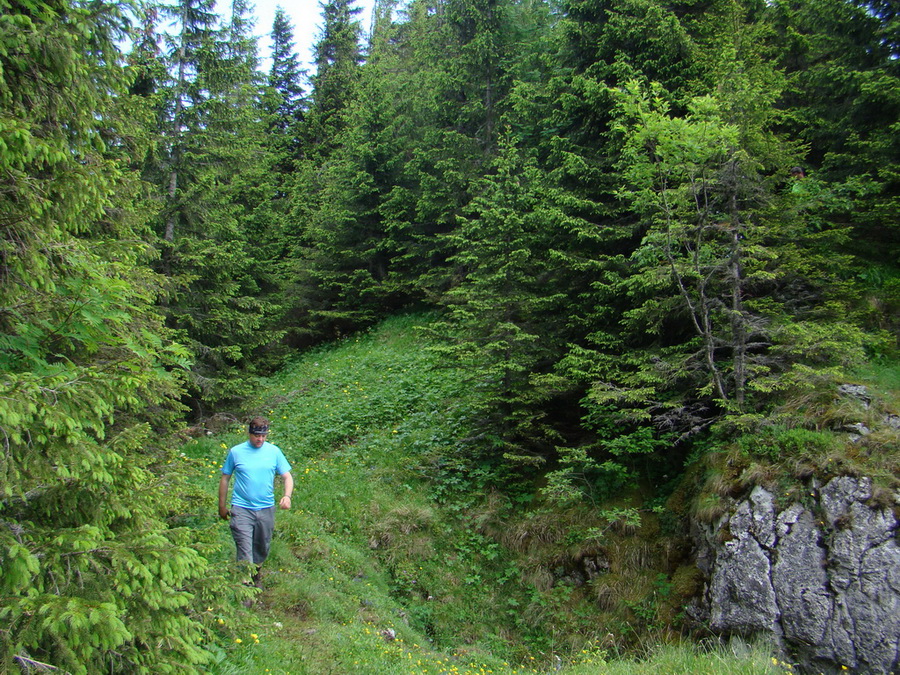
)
(256, 440)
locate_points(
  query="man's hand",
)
(285, 502)
(224, 513)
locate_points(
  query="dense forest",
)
(596, 197)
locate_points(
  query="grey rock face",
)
(823, 580)
(799, 575)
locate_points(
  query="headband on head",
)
(259, 429)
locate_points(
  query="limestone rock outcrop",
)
(822, 578)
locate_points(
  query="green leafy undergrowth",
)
(371, 572)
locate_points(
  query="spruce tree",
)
(448, 84)
(731, 275)
(499, 325)
(285, 102)
(337, 61)
(843, 101)
(320, 219)
(349, 251)
(91, 577)
(212, 167)
(285, 77)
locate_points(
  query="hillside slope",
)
(395, 558)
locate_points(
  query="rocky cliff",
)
(822, 578)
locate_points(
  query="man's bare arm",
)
(223, 496)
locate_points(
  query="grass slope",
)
(392, 561)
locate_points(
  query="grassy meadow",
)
(399, 558)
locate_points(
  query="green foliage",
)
(598, 473)
(689, 187)
(337, 60)
(843, 102)
(93, 578)
(285, 74)
(495, 328)
(719, 255)
(284, 101)
(210, 165)
(374, 570)
(341, 249)
(780, 443)
(594, 193)
(619, 40)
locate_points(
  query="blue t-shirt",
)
(254, 473)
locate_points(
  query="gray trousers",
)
(252, 531)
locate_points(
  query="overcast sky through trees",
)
(306, 17)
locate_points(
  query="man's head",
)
(258, 429)
(797, 172)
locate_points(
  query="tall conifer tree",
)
(337, 60)
(499, 326)
(319, 220)
(286, 76)
(843, 98)
(91, 577)
(215, 162)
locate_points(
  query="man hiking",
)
(254, 464)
